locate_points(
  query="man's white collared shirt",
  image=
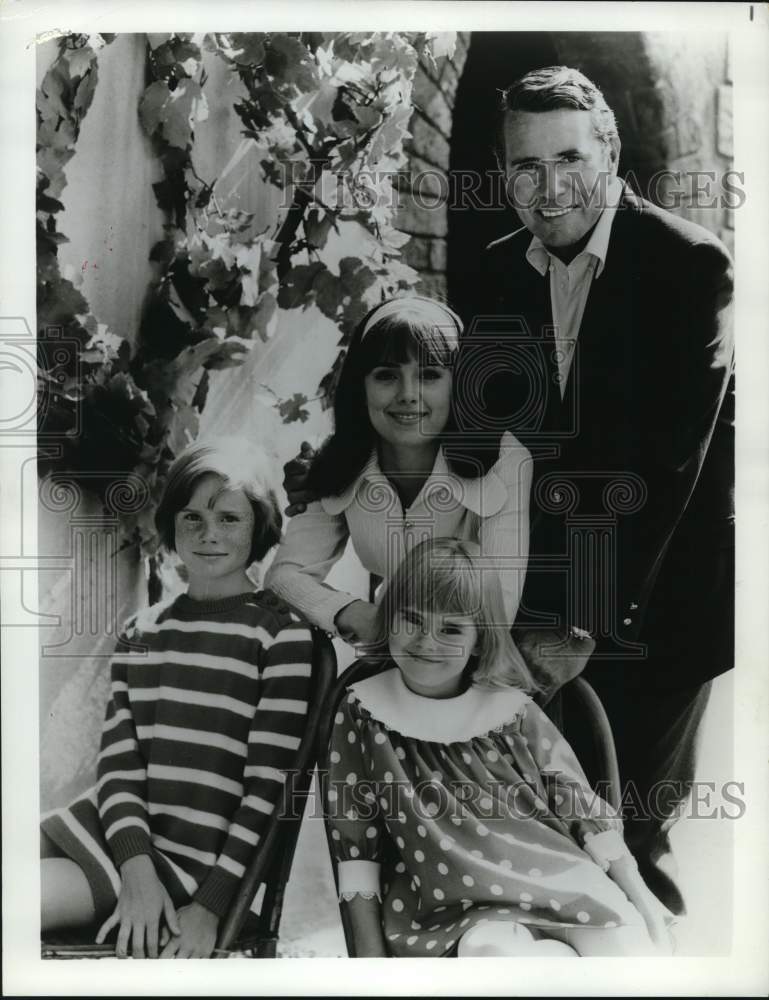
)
(570, 283)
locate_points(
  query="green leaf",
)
(329, 291)
(356, 277)
(392, 132)
(317, 228)
(232, 352)
(81, 61)
(176, 111)
(59, 303)
(292, 409)
(163, 251)
(393, 54)
(247, 48)
(394, 239)
(288, 62)
(84, 94)
(48, 205)
(184, 50)
(54, 99)
(185, 106)
(367, 117)
(152, 104)
(297, 288)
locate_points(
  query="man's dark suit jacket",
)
(632, 503)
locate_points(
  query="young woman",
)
(385, 480)
(460, 818)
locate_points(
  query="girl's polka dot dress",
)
(464, 809)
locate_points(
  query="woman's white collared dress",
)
(459, 810)
(492, 510)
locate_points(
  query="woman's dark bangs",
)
(398, 343)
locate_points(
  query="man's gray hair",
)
(550, 89)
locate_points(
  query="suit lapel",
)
(604, 351)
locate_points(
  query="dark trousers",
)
(655, 731)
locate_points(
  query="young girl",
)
(389, 477)
(208, 705)
(461, 820)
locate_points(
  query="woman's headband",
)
(413, 304)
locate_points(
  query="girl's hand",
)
(143, 900)
(654, 914)
(197, 937)
(357, 622)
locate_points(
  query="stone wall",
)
(423, 203)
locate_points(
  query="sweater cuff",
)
(128, 843)
(217, 891)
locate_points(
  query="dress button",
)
(633, 606)
(627, 621)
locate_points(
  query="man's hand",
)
(357, 622)
(197, 935)
(295, 480)
(143, 900)
(554, 657)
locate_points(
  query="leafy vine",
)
(327, 115)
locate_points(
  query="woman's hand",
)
(143, 900)
(357, 622)
(197, 935)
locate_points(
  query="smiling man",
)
(601, 337)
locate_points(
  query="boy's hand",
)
(197, 937)
(143, 900)
(295, 480)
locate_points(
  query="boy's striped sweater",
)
(207, 709)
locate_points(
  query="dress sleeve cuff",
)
(606, 847)
(359, 878)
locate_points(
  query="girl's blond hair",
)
(446, 576)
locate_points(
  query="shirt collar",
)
(485, 495)
(597, 246)
(475, 712)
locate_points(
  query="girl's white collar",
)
(475, 712)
